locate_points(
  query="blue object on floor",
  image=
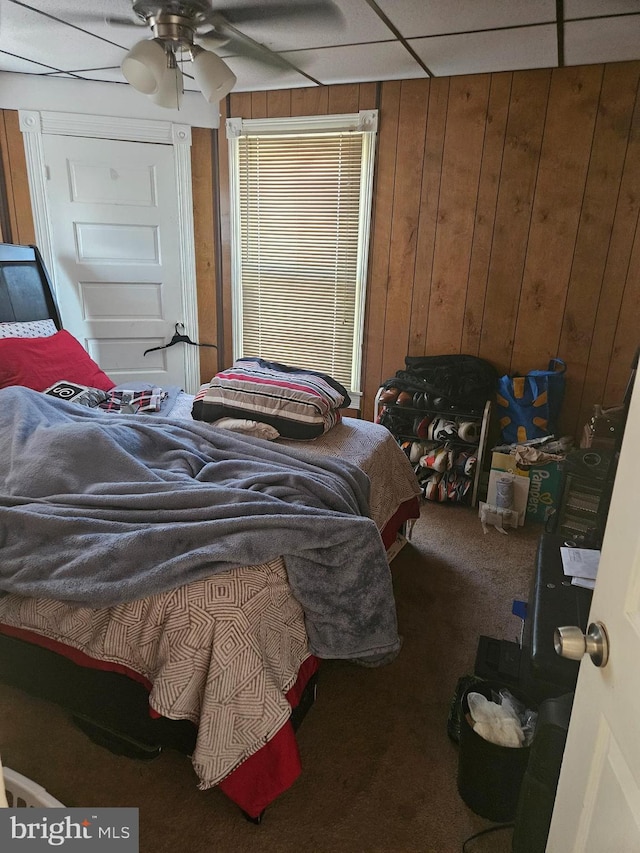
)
(519, 608)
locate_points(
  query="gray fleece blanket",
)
(100, 508)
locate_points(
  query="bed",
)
(177, 641)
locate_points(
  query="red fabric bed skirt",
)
(407, 510)
(255, 783)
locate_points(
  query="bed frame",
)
(25, 287)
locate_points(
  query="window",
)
(301, 206)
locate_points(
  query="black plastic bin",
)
(489, 776)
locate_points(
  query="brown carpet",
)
(379, 772)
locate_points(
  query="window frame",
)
(365, 123)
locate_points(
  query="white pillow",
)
(29, 329)
(257, 429)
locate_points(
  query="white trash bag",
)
(505, 722)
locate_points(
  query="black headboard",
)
(25, 288)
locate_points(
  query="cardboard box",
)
(542, 491)
(545, 483)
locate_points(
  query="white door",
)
(597, 808)
(113, 213)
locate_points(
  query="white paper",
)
(520, 492)
(587, 583)
(580, 562)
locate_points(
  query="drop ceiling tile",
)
(415, 18)
(35, 37)
(602, 40)
(589, 8)
(499, 50)
(360, 63)
(92, 16)
(257, 77)
(360, 24)
(21, 66)
(106, 75)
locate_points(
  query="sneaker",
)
(431, 488)
(469, 431)
(465, 462)
(421, 427)
(445, 430)
(438, 460)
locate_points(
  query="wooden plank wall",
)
(16, 197)
(505, 221)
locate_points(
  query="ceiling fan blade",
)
(111, 20)
(211, 40)
(119, 21)
(242, 45)
(313, 12)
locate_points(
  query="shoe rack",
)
(446, 434)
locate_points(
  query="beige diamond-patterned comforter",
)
(221, 652)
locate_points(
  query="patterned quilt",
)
(233, 689)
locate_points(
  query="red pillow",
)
(39, 362)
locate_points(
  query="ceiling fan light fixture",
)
(214, 77)
(169, 92)
(145, 65)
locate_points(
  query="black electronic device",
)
(553, 601)
(589, 463)
(540, 781)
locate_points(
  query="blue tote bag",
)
(529, 406)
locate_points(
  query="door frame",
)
(34, 124)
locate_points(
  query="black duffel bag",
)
(464, 382)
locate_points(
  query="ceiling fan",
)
(192, 30)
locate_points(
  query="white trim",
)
(107, 127)
(366, 201)
(362, 122)
(89, 97)
(186, 239)
(234, 227)
(31, 128)
(35, 124)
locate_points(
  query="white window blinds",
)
(301, 209)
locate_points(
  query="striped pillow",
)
(299, 403)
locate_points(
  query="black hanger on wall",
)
(179, 338)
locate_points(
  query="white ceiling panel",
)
(35, 37)
(477, 53)
(385, 61)
(372, 41)
(433, 17)
(90, 17)
(256, 77)
(22, 66)
(593, 41)
(359, 24)
(595, 8)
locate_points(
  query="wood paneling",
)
(521, 154)
(459, 180)
(204, 186)
(505, 221)
(16, 184)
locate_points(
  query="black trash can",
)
(489, 775)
